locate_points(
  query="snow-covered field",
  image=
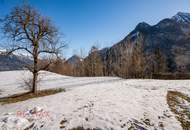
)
(12, 82)
(108, 103)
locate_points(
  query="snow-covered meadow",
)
(107, 103)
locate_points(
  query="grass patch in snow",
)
(28, 95)
(62, 126)
(82, 128)
(179, 104)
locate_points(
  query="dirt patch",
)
(28, 95)
(179, 104)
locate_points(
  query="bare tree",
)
(93, 63)
(33, 33)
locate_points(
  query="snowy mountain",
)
(182, 17)
(170, 35)
(13, 62)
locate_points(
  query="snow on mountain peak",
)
(182, 17)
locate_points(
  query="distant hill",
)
(73, 60)
(13, 62)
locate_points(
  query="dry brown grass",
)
(182, 115)
(81, 128)
(28, 95)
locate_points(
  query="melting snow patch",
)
(13, 122)
(34, 118)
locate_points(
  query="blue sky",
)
(103, 22)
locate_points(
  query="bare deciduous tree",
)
(33, 33)
(93, 63)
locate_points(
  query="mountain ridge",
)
(170, 35)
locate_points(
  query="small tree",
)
(93, 63)
(34, 34)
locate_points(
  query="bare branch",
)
(19, 48)
(53, 51)
(45, 67)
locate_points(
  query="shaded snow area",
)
(107, 103)
(12, 82)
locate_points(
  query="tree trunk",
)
(34, 83)
(35, 70)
